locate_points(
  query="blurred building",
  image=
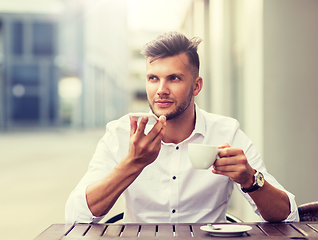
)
(67, 68)
(106, 86)
(259, 62)
(28, 75)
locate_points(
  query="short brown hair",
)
(171, 44)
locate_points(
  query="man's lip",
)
(163, 103)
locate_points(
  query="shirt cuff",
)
(77, 210)
(294, 215)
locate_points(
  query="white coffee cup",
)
(202, 156)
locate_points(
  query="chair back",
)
(308, 211)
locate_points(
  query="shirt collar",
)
(199, 127)
(199, 121)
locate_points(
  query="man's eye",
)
(152, 78)
(174, 78)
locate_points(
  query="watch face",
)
(260, 180)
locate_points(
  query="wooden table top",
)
(301, 230)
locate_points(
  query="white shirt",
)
(171, 190)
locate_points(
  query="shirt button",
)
(174, 177)
(177, 147)
(173, 210)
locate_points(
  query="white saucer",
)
(226, 230)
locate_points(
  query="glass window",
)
(26, 108)
(1, 42)
(26, 74)
(53, 94)
(43, 39)
(17, 38)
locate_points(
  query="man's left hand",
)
(233, 163)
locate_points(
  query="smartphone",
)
(152, 118)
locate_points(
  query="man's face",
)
(170, 85)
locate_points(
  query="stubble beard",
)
(179, 109)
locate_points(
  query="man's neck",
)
(181, 127)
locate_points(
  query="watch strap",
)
(254, 187)
(251, 189)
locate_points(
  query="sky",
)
(142, 14)
(51, 6)
(156, 14)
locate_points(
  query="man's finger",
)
(157, 129)
(224, 145)
(133, 126)
(142, 125)
(161, 133)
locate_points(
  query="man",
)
(150, 166)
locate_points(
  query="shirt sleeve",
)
(103, 161)
(254, 159)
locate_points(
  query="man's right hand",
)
(144, 149)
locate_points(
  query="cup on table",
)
(202, 156)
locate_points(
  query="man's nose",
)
(163, 88)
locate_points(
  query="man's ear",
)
(198, 86)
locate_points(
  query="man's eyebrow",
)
(176, 74)
(151, 75)
(179, 74)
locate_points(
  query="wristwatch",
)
(258, 183)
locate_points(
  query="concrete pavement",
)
(38, 171)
